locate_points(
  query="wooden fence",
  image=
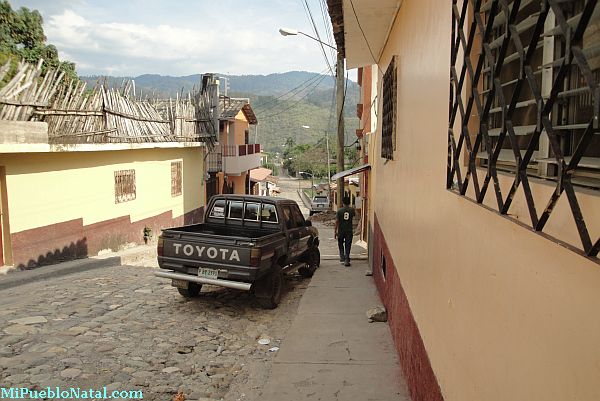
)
(104, 115)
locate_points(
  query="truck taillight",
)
(159, 246)
(255, 256)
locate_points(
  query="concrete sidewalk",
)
(331, 352)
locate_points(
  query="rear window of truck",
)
(236, 210)
(269, 213)
(218, 209)
(250, 211)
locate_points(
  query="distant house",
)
(262, 182)
(229, 163)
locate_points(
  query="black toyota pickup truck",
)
(246, 242)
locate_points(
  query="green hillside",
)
(284, 103)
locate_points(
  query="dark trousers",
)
(344, 244)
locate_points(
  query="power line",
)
(331, 109)
(296, 103)
(372, 55)
(314, 25)
(308, 90)
(328, 27)
(313, 78)
(365, 36)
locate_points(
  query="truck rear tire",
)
(268, 293)
(313, 260)
(192, 291)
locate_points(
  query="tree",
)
(310, 158)
(28, 28)
(22, 37)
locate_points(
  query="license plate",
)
(208, 273)
(180, 284)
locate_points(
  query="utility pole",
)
(340, 124)
(328, 159)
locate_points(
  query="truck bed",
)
(232, 232)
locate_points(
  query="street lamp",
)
(340, 107)
(294, 32)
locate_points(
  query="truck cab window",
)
(218, 209)
(251, 212)
(298, 218)
(236, 209)
(269, 213)
(288, 217)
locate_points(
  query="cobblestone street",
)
(123, 328)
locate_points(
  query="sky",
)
(184, 37)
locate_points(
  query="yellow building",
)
(62, 202)
(483, 193)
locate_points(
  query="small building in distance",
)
(229, 163)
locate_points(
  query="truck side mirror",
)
(308, 223)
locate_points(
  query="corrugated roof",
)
(351, 171)
(260, 174)
(230, 107)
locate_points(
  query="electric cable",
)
(308, 89)
(365, 36)
(297, 88)
(296, 103)
(314, 25)
(328, 28)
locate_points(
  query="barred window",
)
(525, 101)
(390, 85)
(124, 185)
(176, 178)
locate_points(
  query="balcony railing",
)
(235, 158)
(240, 150)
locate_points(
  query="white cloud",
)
(200, 37)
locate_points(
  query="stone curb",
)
(17, 278)
(304, 198)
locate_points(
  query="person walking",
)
(343, 230)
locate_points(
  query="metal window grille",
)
(124, 185)
(525, 100)
(388, 137)
(176, 178)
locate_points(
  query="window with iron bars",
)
(176, 178)
(388, 128)
(573, 107)
(524, 102)
(124, 185)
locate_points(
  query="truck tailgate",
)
(210, 255)
(206, 250)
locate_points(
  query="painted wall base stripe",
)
(71, 239)
(419, 375)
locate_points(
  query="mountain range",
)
(285, 103)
